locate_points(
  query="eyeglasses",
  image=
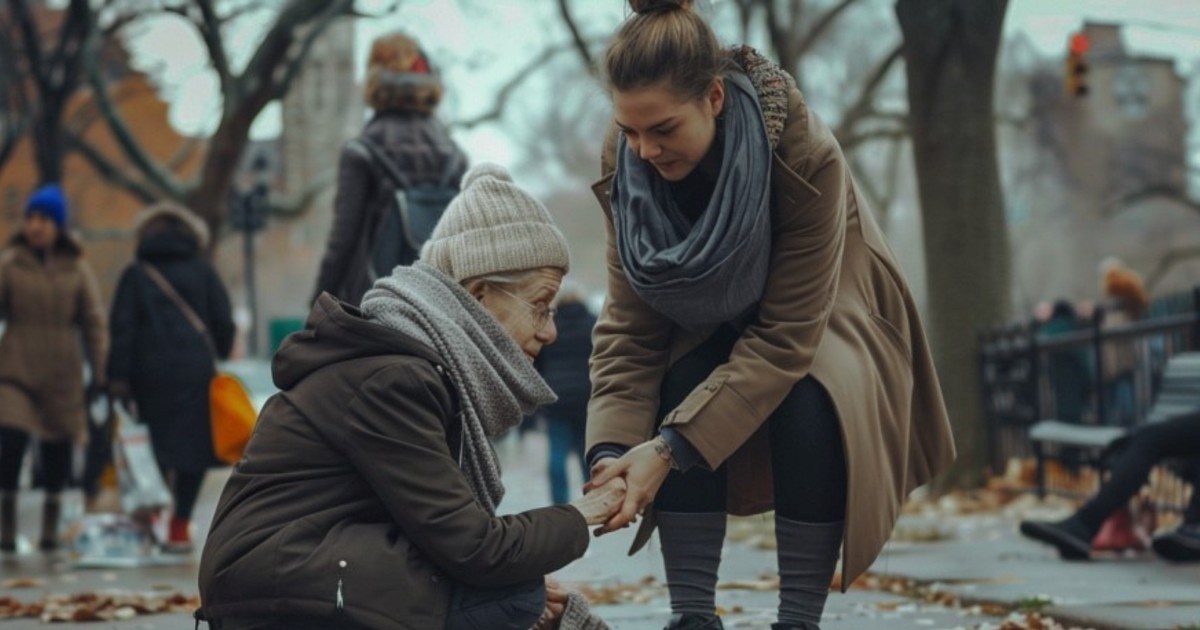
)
(541, 314)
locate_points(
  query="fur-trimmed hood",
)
(189, 219)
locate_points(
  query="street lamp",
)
(248, 213)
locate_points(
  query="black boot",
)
(1181, 545)
(8, 522)
(791, 626)
(694, 621)
(1070, 536)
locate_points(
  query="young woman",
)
(758, 336)
(48, 297)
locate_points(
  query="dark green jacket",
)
(349, 503)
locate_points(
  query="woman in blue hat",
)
(48, 297)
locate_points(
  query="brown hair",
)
(664, 41)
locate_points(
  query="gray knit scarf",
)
(721, 261)
(496, 382)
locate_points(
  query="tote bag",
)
(231, 413)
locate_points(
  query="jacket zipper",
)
(341, 602)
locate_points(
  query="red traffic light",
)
(1079, 44)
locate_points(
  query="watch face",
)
(1131, 90)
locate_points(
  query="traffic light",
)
(1076, 71)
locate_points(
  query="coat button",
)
(434, 578)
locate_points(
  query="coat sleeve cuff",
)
(682, 452)
(606, 449)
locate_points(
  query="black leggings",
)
(185, 489)
(808, 460)
(55, 461)
(1141, 451)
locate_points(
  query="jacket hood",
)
(167, 246)
(337, 332)
(190, 220)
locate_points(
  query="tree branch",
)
(32, 43)
(1153, 191)
(581, 46)
(862, 107)
(154, 172)
(821, 27)
(209, 26)
(509, 87)
(110, 171)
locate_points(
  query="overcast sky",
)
(473, 49)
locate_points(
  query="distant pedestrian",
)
(48, 298)
(160, 365)
(1125, 302)
(564, 365)
(403, 89)
(1133, 460)
(1070, 376)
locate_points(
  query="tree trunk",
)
(950, 49)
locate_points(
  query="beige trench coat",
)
(46, 306)
(836, 306)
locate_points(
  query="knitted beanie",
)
(493, 227)
(50, 201)
(400, 77)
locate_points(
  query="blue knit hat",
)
(50, 201)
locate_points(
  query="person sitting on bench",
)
(1134, 457)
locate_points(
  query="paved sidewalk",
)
(977, 558)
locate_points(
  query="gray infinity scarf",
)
(496, 382)
(715, 270)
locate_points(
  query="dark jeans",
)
(511, 608)
(566, 438)
(55, 461)
(185, 489)
(807, 457)
(1134, 459)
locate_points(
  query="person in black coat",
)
(564, 366)
(160, 365)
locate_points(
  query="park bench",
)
(1179, 393)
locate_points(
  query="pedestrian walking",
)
(759, 348)
(161, 365)
(404, 139)
(367, 495)
(48, 300)
(1125, 302)
(564, 365)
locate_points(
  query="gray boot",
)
(8, 522)
(51, 512)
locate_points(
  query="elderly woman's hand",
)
(644, 468)
(556, 605)
(602, 502)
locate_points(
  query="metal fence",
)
(1019, 387)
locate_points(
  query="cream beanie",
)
(493, 226)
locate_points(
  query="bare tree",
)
(41, 73)
(950, 49)
(245, 92)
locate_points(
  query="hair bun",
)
(643, 7)
(485, 170)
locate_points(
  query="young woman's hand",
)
(601, 503)
(644, 469)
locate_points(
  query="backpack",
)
(410, 217)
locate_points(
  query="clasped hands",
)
(622, 487)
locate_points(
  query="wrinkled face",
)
(671, 132)
(524, 309)
(39, 230)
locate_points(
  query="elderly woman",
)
(367, 496)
